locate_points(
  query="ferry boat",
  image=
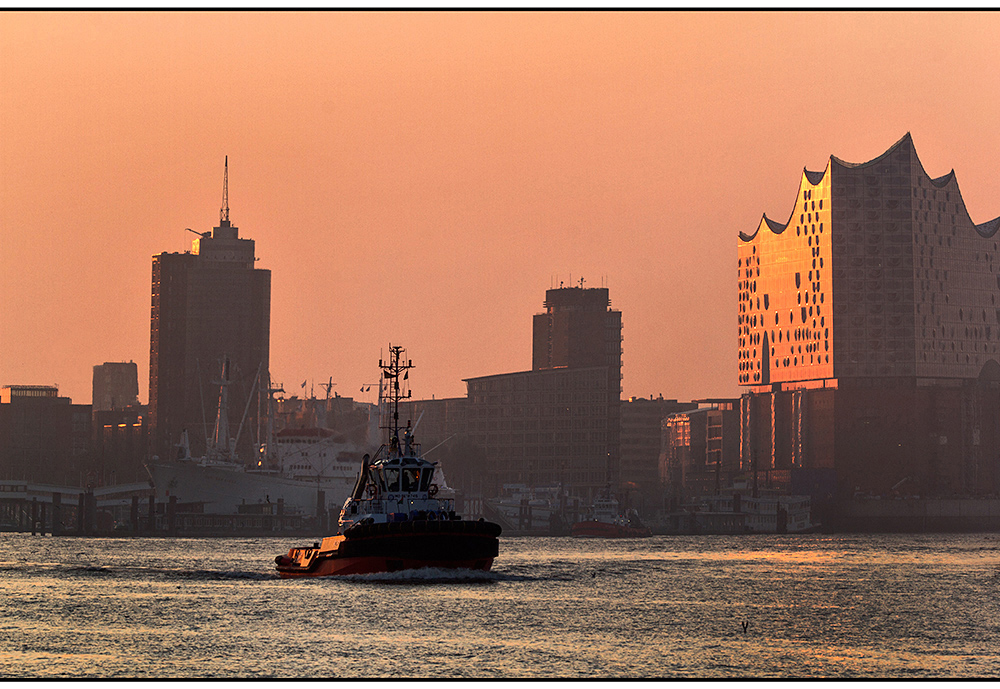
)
(606, 520)
(394, 519)
(768, 512)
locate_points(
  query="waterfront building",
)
(210, 305)
(699, 451)
(116, 385)
(577, 329)
(868, 335)
(437, 421)
(560, 421)
(119, 445)
(43, 437)
(641, 422)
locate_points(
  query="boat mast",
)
(269, 452)
(395, 371)
(220, 438)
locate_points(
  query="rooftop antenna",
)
(224, 211)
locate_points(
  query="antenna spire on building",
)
(224, 212)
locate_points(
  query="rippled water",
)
(668, 606)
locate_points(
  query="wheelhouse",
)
(402, 475)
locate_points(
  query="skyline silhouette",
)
(423, 178)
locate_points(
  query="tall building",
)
(868, 334)
(116, 385)
(209, 305)
(577, 329)
(559, 422)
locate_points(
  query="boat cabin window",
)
(391, 479)
(425, 478)
(411, 480)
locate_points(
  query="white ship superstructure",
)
(306, 471)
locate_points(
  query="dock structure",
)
(131, 510)
(38, 508)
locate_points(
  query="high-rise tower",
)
(559, 422)
(208, 305)
(578, 328)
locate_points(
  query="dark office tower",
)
(577, 329)
(559, 422)
(868, 333)
(209, 304)
(116, 385)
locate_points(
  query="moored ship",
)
(606, 520)
(394, 519)
(301, 469)
(539, 510)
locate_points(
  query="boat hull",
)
(594, 529)
(377, 565)
(396, 546)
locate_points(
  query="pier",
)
(132, 510)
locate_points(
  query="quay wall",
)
(918, 515)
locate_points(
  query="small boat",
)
(607, 521)
(394, 519)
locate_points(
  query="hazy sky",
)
(423, 178)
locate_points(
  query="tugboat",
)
(606, 521)
(393, 519)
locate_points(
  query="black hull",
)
(388, 547)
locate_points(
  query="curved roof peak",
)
(943, 179)
(988, 228)
(772, 225)
(906, 140)
(813, 176)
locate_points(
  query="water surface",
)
(867, 606)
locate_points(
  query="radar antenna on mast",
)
(224, 211)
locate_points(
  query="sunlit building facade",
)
(640, 448)
(869, 334)
(699, 451)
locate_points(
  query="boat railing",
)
(404, 506)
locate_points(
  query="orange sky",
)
(423, 178)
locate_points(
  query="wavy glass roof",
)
(813, 178)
